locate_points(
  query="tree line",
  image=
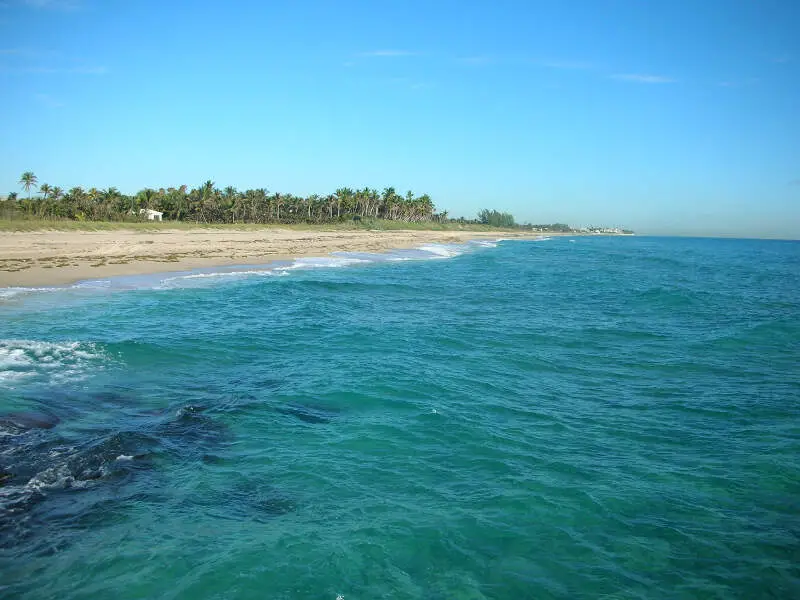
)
(209, 204)
(496, 218)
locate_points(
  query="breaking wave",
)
(51, 362)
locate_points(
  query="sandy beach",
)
(41, 258)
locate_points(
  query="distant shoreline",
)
(47, 258)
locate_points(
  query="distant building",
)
(601, 230)
(150, 215)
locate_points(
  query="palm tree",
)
(310, 202)
(45, 189)
(207, 198)
(343, 195)
(28, 180)
(55, 195)
(145, 198)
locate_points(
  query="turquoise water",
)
(597, 418)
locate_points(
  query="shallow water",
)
(597, 418)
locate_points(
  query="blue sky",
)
(667, 116)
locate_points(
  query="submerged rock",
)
(244, 499)
(308, 413)
(212, 459)
(193, 432)
(41, 468)
(115, 454)
(30, 420)
(111, 396)
(273, 504)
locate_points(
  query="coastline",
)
(52, 258)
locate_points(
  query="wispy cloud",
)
(388, 53)
(733, 83)
(565, 64)
(55, 70)
(54, 4)
(29, 60)
(783, 59)
(642, 78)
(98, 70)
(32, 53)
(795, 182)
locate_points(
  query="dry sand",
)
(41, 258)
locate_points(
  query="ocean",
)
(588, 417)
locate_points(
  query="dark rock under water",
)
(30, 420)
(50, 478)
(309, 413)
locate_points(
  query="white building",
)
(150, 215)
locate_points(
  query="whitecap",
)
(56, 362)
(443, 250)
(12, 292)
(54, 478)
(259, 272)
(323, 262)
(232, 274)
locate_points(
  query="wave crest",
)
(55, 362)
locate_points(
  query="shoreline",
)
(54, 258)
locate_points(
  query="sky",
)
(664, 116)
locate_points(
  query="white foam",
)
(92, 284)
(54, 478)
(443, 250)
(323, 262)
(259, 272)
(13, 292)
(124, 457)
(56, 362)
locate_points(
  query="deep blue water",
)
(597, 418)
